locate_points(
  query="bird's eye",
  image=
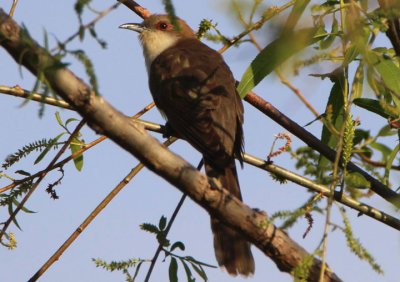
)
(163, 26)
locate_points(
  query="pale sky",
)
(115, 233)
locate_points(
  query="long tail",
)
(232, 251)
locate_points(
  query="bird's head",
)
(157, 33)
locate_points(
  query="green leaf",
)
(162, 223)
(335, 107)
(22, 208)
(81, 33)
(359, 135)
(11, 211)
(357, 180)
(189, 275)
(78, 160)
(162, 239)
(326, 43)
(23, 172)
(385, 150)
(386, 131)
(274, 55)
(371, 105)
(149, 228)
(351, 53)
(389, 73)
(179, 245)
(79, 5)
(192, 259)
(200, 271)
(173, 270)
(294, 16)
(48, 147)
(137, 270)
(70, 120)
(358, 81)
(59, 119)
(390, 163)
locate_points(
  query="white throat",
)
(154, 42)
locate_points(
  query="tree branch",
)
(314, 143)
(132, 136)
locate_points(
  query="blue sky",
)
(115, 233)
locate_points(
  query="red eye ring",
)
(163, 26)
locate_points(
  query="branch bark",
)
(131, 136)
(313, 142)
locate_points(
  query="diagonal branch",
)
(314, 143)
(131, 136)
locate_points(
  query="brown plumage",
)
(195, 90)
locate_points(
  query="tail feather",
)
(232, 251)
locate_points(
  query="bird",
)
(194, 89)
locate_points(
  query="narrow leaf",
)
(22, 208)
(137, 270)
(11, 211)
(371, 105)
(389, 73)
(70, 120)
(199, 271)
(179, 245)
(295, 14)
(326, 43)
(78, 160)
(357, 180)
(335, 111)
(173, 270)
(358, 81)
(274, 55)
(189, 275)
(162, 223)
(390, 163)
(149, 228)
(47, 149)
(59, 119)
(386, 131)
(385, 150)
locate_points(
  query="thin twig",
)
(274, 11)
(337, 162)
(92, 216)
(260, 163)
(160, 246)
(171, 221)
(22, 203)
(136, 8)
(361, 207)
(148, 125)
(19, 92)
(14, 4)
(86, 26)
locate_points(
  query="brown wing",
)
(195, 90)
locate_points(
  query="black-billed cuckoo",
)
(195, 90)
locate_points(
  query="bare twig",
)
(19, 92)
(136, 8)
(90, 24)
(14, 5)
(22, 203)
(90, 218)
(273, 12)
(148, 125)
